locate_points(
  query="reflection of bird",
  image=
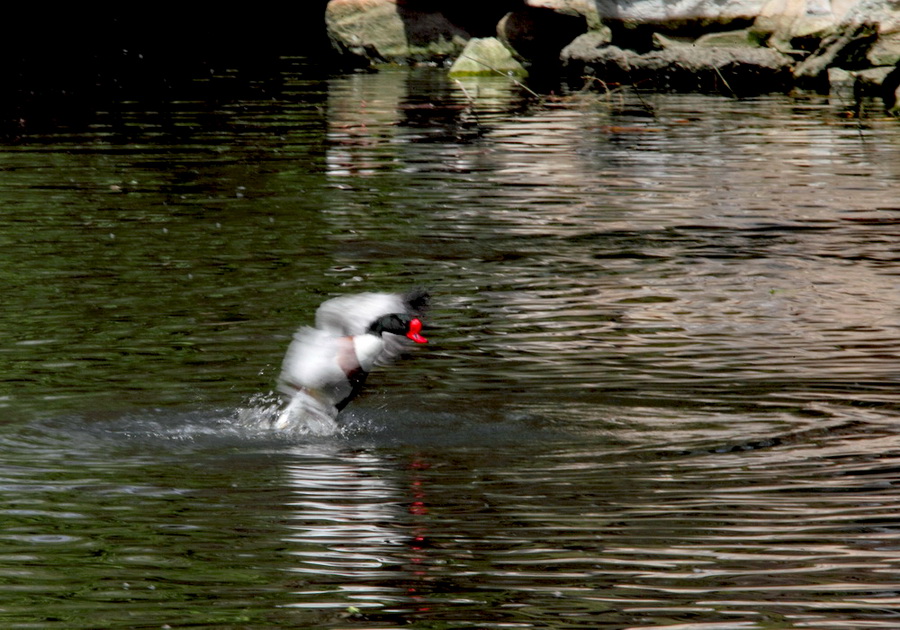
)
(325, 367)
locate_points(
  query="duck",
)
(326, 365)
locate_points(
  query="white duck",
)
(325, 367)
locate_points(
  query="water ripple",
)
(661, 387)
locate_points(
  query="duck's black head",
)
(399, 324)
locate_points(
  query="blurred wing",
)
(353, 314)
(314, 361)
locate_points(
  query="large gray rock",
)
(663, 11)
(382, 30)
(585, 9)
(791, 17)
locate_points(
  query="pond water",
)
(661, 388)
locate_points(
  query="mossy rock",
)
(486, 56)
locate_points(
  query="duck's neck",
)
(367, 348)
(378, 326)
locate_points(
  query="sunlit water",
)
(661, 388)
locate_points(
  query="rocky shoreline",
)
(739, 48)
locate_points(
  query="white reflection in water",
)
(354, 532)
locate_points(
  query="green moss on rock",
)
(486, 56)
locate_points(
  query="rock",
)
(852, 85)
(729, 70)
(635, 23)
(726, 39)
(661, 42)
(789, 25)
(730, 46)
(684, 11)
(610, 64)
(871, 80)
(742, 37)
(385, 30)
(845, 49)
(890, 91)
(841, 84)
(586, 9)
(884, 13)
(486, 56)
(886, 51)
(848, 87)
(538, 35)
(583, 50)
(792, 24)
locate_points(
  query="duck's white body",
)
(320, 371)
(326, 366)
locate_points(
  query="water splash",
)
(299, 417)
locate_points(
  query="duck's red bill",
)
(415, 327)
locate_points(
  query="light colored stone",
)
(656, 11)
(807, 14)
(364, 26)
(486, 56)
(886, 51)
(662, 42)
(742, 37)
(380, 30)
(719, 39)
(841, 83)
(872, 78)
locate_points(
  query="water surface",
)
(661, 388)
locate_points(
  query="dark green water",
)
(661, 389)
